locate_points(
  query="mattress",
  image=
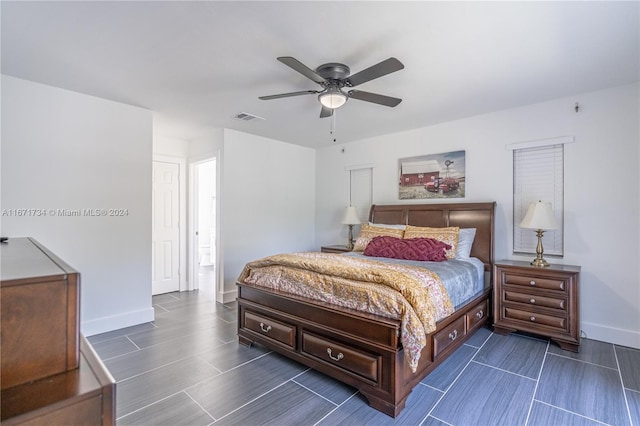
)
(463, 278)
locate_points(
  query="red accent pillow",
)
(411, 249)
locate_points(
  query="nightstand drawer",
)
(276, 330)
(536, 318)
(534, 300)
(535, 282)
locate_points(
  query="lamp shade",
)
(539, 216)
(332, 98)
(350, 216)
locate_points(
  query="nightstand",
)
(338, 248)
(537, 300)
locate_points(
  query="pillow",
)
(411, 249)
(384, 225)
(465, 241)
(447, 235)
(367, 232)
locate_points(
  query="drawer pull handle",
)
(532, 300)
(265, 329)
(480, 314)
(532, 318)
(337, 358)
(532, 282)
(453, 335)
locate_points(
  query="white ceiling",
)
(197, 64)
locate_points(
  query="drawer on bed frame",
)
(442, 339)
(364, 365)
(477, 315)
(275, 330)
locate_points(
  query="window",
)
(538, 174)
(361, 191)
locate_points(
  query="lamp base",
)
(350, 243)
(540, 263)
(539, 260)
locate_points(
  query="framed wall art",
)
(432, 176)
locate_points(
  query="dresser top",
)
(551, 267)
(24, 258)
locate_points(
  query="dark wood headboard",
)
(464, 215)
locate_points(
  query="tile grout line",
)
(571, 412)
(535, 389)
(311, 390)
(455, 380)
(261, 395)
(583, 361)
(198, 404)
(624, 392)
(336, 408)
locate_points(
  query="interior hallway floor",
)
(187, 368)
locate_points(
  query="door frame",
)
(182, 226)
(192, 241)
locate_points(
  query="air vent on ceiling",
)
(243, 116)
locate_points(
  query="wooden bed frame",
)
(364, 350)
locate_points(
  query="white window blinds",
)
(538, 175)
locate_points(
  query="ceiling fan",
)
(334, 77)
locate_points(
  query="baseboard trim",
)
(228, 296)
(115, 322)
(617, 336)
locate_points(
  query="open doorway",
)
(204, 219)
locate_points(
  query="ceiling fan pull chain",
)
(333, 125)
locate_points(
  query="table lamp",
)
(539, 217)
(350, 218)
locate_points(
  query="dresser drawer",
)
(477, 315)
(444, 338)
(535, 282)
(352, 360)
(271, 328)
(534, 300)
(536, 318)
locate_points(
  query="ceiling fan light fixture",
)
(333, 98)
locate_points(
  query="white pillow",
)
(465, 241)
(383, 225)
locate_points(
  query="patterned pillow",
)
(447, 235)
(367, 232)
(425, 249)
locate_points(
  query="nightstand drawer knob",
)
(532, 300)
(533, 319)
(532, 282)
(480, 314)
(453, 335)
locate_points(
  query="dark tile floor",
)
(187, 368)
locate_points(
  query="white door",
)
(166, 231)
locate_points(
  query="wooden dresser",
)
(50, 373)
(538, 300)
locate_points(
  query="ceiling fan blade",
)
(374, 97)
(302, 68)
(378, 70)
(326, 112)
(287, 95)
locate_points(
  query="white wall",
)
(65, 150)
(602, 231)
(267, 201)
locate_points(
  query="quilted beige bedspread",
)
(413, 295)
